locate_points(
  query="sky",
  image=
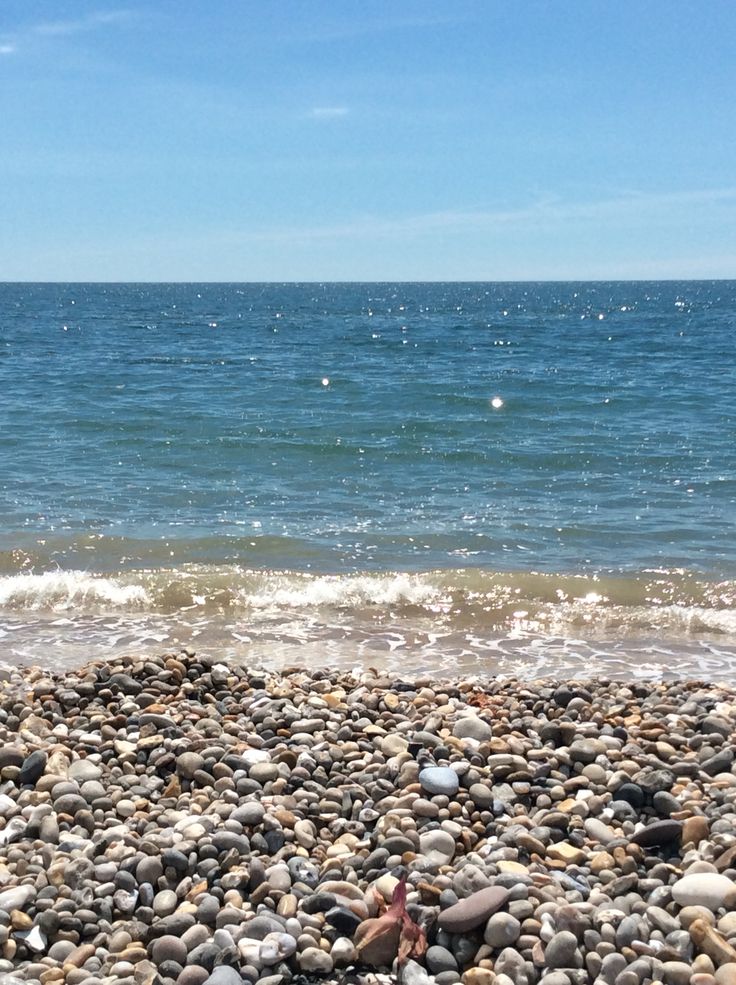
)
(316, 140)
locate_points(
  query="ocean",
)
(528, 479)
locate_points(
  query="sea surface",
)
(522, 479)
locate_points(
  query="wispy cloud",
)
(354, 27)
(80, 24)
(539, 214)
(24, 36)
(328, 112)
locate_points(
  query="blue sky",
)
(359, 140)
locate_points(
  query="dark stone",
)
(175, 924)
(70, 803)
(655, 780)
(632, 794)
(170, 857)
(124, 880)
(665, 804)
(439, 959)
(343, 920)
(562, 696)
(551, 732)
(208, 909)
(720, 763)
(275, 841)
(228, 840)
(204, 956)
(622, 885)
(712, 723)
(32, 768)
(168, 972)
(11, 756)
(146, 894)
(658, 833)
(318, 903)
(397, 845)
(124, 683)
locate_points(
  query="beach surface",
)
(177, 819)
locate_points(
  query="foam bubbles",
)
(61, 590)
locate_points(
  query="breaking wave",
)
(665, 602)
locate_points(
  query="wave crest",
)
(466, 600)
(63, 590)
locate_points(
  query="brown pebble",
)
(78, 956)
(695, 829)
(712, 943)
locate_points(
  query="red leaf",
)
(394, 934)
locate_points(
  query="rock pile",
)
(179, 821)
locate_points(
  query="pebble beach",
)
(178, 820)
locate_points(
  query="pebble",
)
(472, 728)
(561, 950)
(502, 930)
(315, 960)
(438, 847)
(439, 959)
(440, 780)
(708, 889)
(473, 911)
(170, 818)
(658, 833)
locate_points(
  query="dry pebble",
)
(179, 820)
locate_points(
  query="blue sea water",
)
(492, 478)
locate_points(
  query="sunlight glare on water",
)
(178, 464)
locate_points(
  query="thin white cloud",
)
(540, 214)
(78, 25)
(24, 36)
(328, 112)
(352, 27)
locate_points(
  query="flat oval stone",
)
(481, 795)
(440, 780)
(471, 912)
(708, 889)
(658, 833)
(472, 727)
(585, 751)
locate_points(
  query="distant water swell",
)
(455, 620)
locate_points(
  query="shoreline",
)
(178, 819)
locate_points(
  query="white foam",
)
(59, 591)
(342, 592)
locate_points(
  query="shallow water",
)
(534, 479)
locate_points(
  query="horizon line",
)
(433, 280)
